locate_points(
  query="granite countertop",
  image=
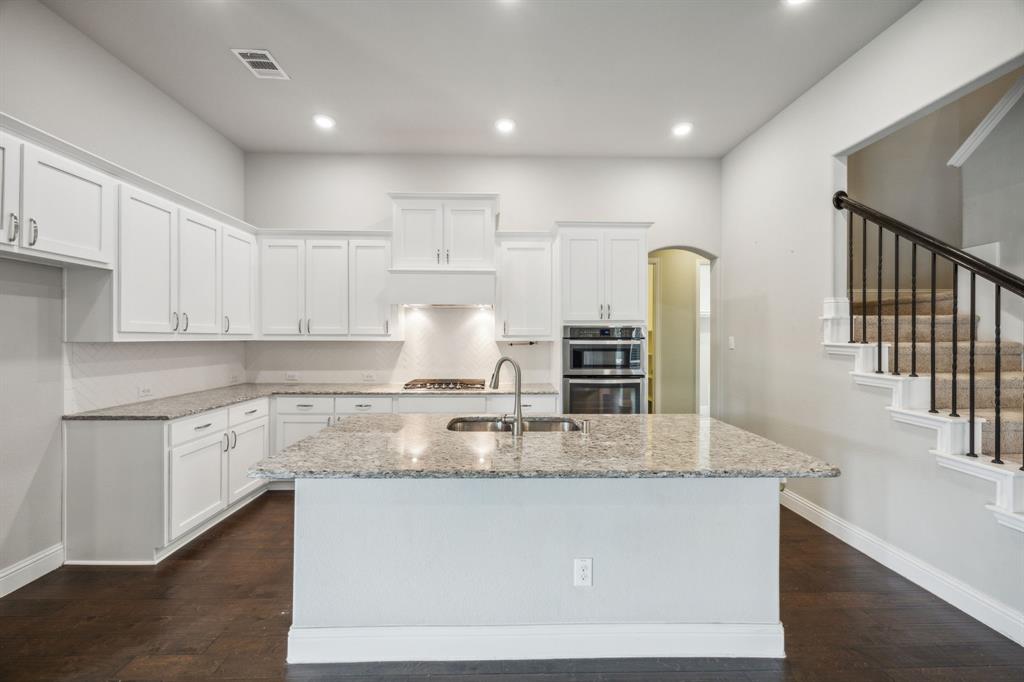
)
(202, 401)
(618, 446)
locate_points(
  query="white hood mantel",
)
(441, 287)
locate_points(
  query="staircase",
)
(888, 334)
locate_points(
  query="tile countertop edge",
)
(206, 400)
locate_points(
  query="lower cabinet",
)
(291, 428)
(248, 444)
(197, 483)
(532, 404)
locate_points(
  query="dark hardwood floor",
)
(220, 609)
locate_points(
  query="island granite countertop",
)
(188, 404)
(618, 446)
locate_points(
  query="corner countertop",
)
(188, 404)
(618, 446)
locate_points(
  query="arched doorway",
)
(679, 331)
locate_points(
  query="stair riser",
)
(1011, 438)
(943, 329)
(944, 360)
(923, 308)
(1011, 396)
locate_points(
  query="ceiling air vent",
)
(261, 63)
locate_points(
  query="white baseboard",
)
(281, 485)
(524, 642)
(36, 566)
(995, 614)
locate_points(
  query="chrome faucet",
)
(517, 423)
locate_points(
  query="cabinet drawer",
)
(305, 405)
(360, 404)
(441, 404)
(254, 409)
(203, 424)
(532, 404)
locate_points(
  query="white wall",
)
(30, 409)
(439, 343)
(778, 246)
(54, 77)
(339, 191)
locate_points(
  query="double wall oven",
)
(603, 370)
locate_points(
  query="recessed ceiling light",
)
(682, 129)
(794, 2)
(505, 126)
(323, 121)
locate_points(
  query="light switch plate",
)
(291, 376)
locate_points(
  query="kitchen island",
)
(413, 542)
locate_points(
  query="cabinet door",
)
(418, 233)
(10, 192)
(625, 275)
(238, 281)
(282, 286)
(524, 290)
(468, 234)
(582, 275)
(198, 273)
(147, 275)
(326, 287)
(248, 445)
(198, 489)
(369, 311)
(68, 208)
(441, 404)
(291, 428)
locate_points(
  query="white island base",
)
(416, 569)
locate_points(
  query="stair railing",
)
(1000, 278)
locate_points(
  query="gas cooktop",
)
(445, 384)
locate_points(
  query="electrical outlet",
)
(732, 343)
(369, 377)
(145, 391)
(291, 376)
(234, 379)
(583, 572)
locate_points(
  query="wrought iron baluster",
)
(974, 334)
(896, 317)
(913, 310)
(878, 303)
(931, 340)
(952, 411)
(998, 459)
(863, 280)
(849, 266)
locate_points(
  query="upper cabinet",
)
(198, 274)
(147, 272)
(444, 232)
(326, 287)
(369, 311)
(524, 291)
(10, 192)
(282, 286)
(604, 272)
(238, 281)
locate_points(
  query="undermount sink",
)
(496, 424)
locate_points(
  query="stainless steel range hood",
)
(451, 288)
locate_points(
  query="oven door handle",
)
(616, 382)
(604, 342)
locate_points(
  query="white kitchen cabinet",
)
(326, 310)
(282, 286)
(238, 282)
(248, 444)
(363, 404)
(369, 310)
(197, 482)
(524, 291)
(198, 273)
(68, 209)
(10, 192)
(291, 428)
(532, 404)
(147, 270)
(443, 231)
(604, 273)
(441, 404)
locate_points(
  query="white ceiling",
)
(427, 76)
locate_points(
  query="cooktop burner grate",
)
(446, 384)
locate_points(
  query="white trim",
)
(988, 124)
(30, 568)
(281, 485)
(519, 642)
(998, 616)
(627, 224)
(1012, 520)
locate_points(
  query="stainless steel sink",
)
(496, 424)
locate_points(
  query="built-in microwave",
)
(603, 351)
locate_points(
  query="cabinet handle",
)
(227, 324)
(15, 227)
(300, 325)
(447, 256)
(527, 405)
(204, 426)
(252, 411)
(328, 421)
(227, 442)
(234, 442)
(305, 405)
(34, 231)
(307, 325)
(185, 317)
(387, 326)
(600, 311)
(439, 255)
(609, 311)
(505, 328)
(177, 321)
(364, 406)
